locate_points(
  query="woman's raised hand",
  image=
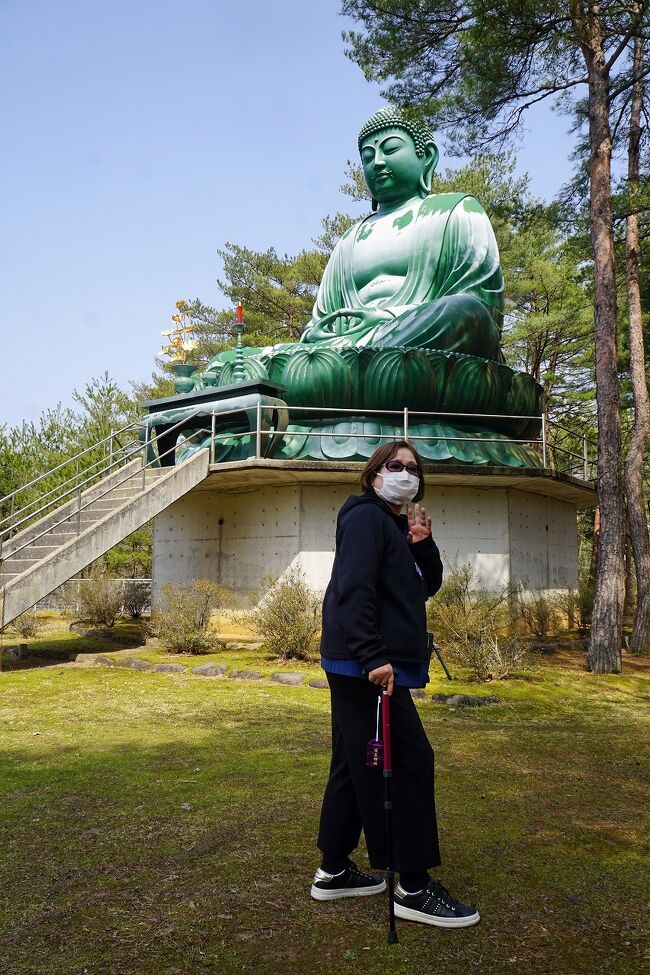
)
(419, 524)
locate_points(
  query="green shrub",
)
(472, 625)
(286, 616)
(27, 624)
(183, 620)
(539, 613)
(99, 602)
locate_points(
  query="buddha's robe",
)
(451, 296)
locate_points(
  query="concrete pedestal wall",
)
(236, 535)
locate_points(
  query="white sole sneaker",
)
(331, 895)
(410, 914)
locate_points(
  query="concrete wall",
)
(236, 537)
(543, 541)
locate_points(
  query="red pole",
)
(388, 808)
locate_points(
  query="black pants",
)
(354, 795)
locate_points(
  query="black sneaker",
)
(351, 883)
(434, 905)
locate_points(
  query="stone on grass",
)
(134, 663)
(292, 679)
(98, 634)
(544, 646)
(102, 661)
(246, 675)
(418, 694)
(209, 670)
(168, 668)
(319, 682)
(465, 700)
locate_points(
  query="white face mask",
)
(398, 488)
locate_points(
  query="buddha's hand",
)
(419, 524)
(340, 323)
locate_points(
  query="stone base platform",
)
(250, 518)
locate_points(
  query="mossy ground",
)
(157, 824)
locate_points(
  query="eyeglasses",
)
(396, 466)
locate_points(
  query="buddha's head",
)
(398, 155)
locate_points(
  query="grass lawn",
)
(161, 824)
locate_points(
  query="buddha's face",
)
(391, 165)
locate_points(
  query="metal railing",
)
(74, 514)
(561, 451)
(52, 497)
(557, 450)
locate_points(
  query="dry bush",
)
(539, 613)
(182, 623)
(584, 604)
(472, 625)
(286, 616)
(27, 624)
(566, 604)
(137, 596)
(99, 602)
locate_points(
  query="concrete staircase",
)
(39, 559)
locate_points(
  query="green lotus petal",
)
(317, 377)
(357, 359)
(252, 367)
(397, 378)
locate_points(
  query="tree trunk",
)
(604, 655)
(640, 640)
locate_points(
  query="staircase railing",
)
(18, 515)
(75, 513)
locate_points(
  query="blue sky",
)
(141, 136)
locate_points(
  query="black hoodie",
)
(374, 606)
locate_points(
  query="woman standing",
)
(374, 635)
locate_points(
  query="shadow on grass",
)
(153, 826)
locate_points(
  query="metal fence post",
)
(110, 451)
(544, 440)
(585, 457)
(406, 422)
(145, 452)
(212, 436)
(258, 431)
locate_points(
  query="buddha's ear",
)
(430, 162)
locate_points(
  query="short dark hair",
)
(386, 452)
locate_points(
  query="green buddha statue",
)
(420, 270)
(408, 314)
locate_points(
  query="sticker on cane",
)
(375, 748)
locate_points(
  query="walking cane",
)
(388, 807)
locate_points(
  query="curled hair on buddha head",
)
(392, 117)
(385, 453)
(397, 118)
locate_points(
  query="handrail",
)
(10, 517)
(81, 453)
(83, 507)
(573, 433)
(72, 490)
